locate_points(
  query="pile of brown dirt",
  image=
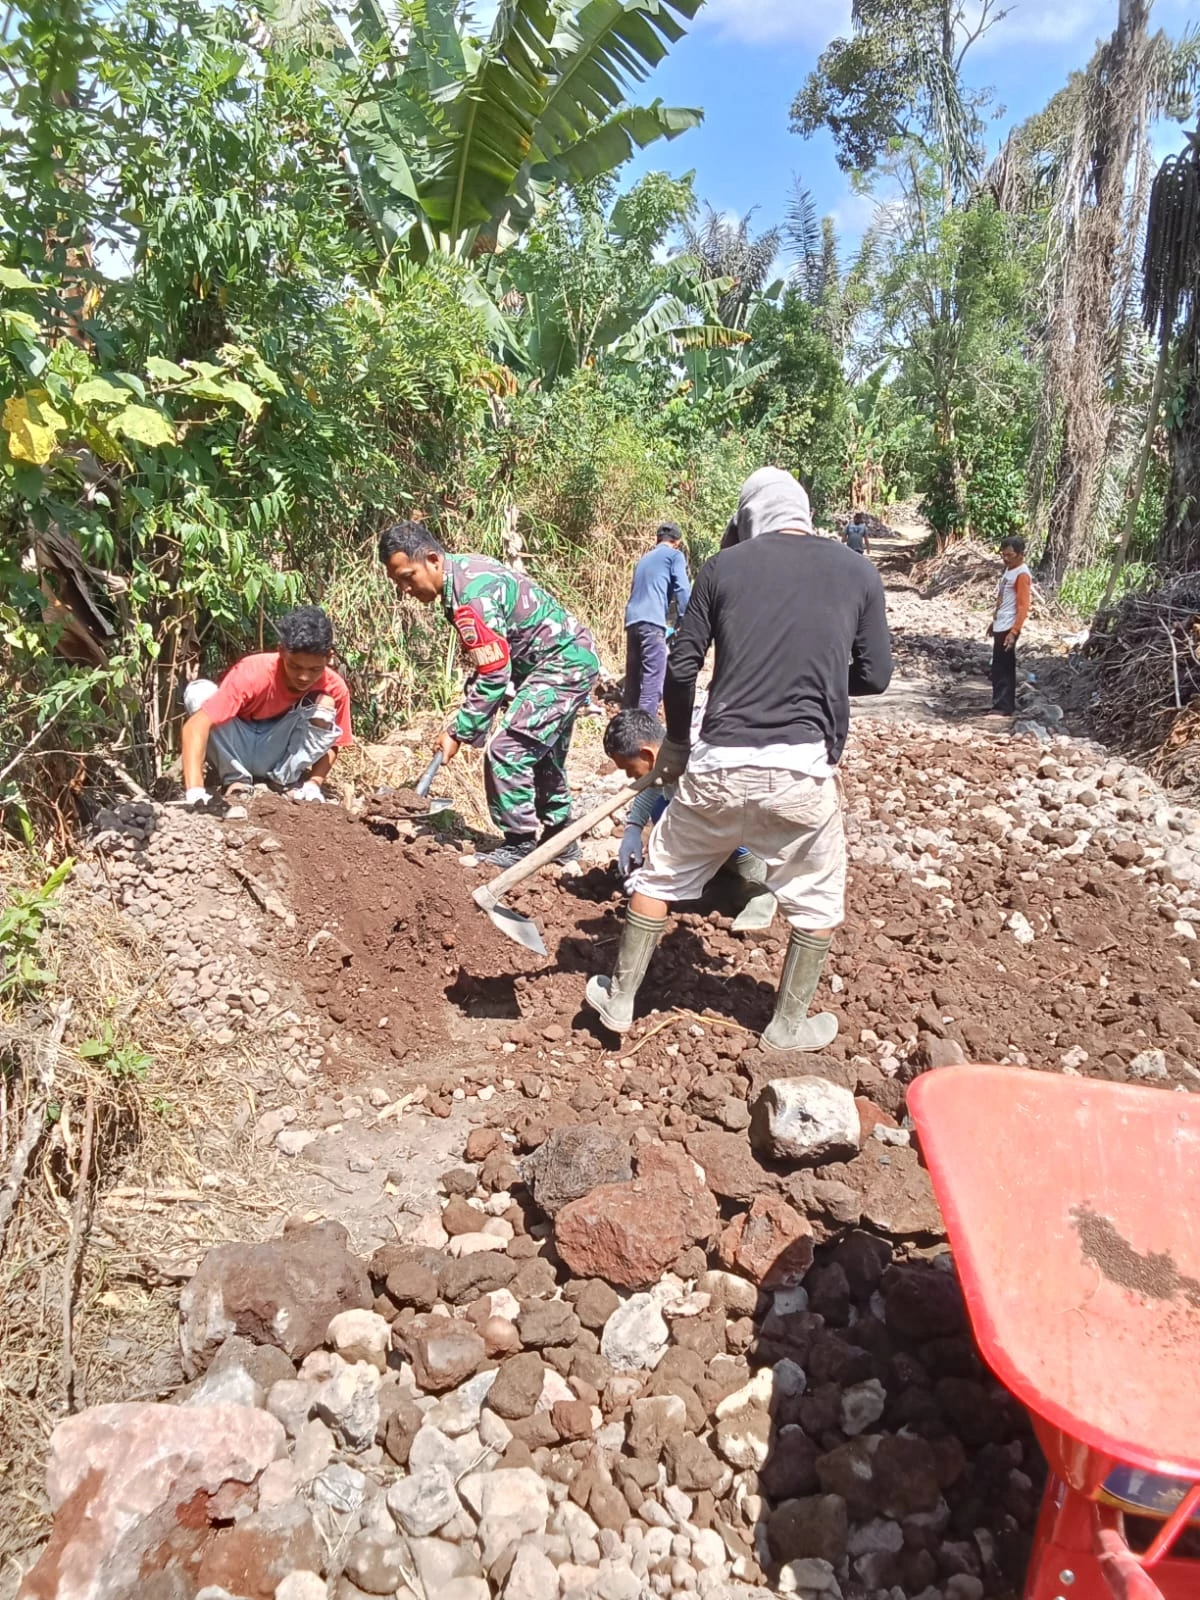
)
(385, 928)
(401, 957)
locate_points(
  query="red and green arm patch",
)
(486, 649)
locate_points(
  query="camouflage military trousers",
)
(526, 766)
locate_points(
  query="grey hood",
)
(771, 501)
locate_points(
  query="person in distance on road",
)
(509, 627)
(798, 625)
(1014, 593)
(277, 717)
(855, 537)
(660, 581)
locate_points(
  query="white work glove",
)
(672, 762)
(307, 791)
(196, 797)
(630, 854)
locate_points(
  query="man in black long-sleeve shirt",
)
(799, 625)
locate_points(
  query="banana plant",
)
(452, 140)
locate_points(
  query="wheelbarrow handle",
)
(552, 848)
(425, 781)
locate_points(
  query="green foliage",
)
(955, 292)
(897, 79)
(1081, 591)
(455, 140)
(121, 1061)
(23, 921)
(590, 288)
(801, 399)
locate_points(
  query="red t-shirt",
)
(255, 690)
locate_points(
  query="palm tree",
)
(1171, 304)
(725, 248)
(1092, 168)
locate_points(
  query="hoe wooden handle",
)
(553, 848)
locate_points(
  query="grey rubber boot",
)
(759, 906)
(612, 998)
(791, 1028)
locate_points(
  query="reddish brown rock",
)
(730, 1167)
(284, 1292)
(631, 1233)
(872, 1116)
(771, 1243)
(254, 1556)
(572, 1419)
(444, 1352)
(411, 1284)
(481, 1142)
(895, 1191)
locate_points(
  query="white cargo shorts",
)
(792, 822)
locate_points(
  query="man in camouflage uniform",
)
(512, 630)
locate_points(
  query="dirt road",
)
(1017, 897)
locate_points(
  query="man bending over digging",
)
(279, 717)
(509, 627)
(798, 624)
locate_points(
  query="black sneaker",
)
(512, 851)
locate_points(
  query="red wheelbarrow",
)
(1073, 1210)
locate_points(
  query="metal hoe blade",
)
(489, 897)
(425, 783)
(757, 913)
(524, 930)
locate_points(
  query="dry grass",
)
(1145, 657)
(173, 1171)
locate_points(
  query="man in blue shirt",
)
(658, 579)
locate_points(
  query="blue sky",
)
(744, 60)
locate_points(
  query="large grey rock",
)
(361, 1336)
(375, 1563)
(460, 1411)
(348, 1402)
(532, 1576)
(440, 1563)
(433, 1448)
(511, 1504)
(574, 1161)
(423, 1502)
(635, 1336)
(807, 1121)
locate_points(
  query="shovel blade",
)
(523, 930)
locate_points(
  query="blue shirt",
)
(659, 577)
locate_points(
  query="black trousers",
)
(645, 666)
(1004, 675)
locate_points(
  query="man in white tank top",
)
(1013, 594)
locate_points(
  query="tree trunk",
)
(1179, 549)
(1115, 102)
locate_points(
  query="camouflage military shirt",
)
(511, 628)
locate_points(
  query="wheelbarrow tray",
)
(1073, 1210)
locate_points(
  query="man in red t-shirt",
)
(279, 717)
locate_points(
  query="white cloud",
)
(811, 22)
(854, 213)
(1034, 22)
